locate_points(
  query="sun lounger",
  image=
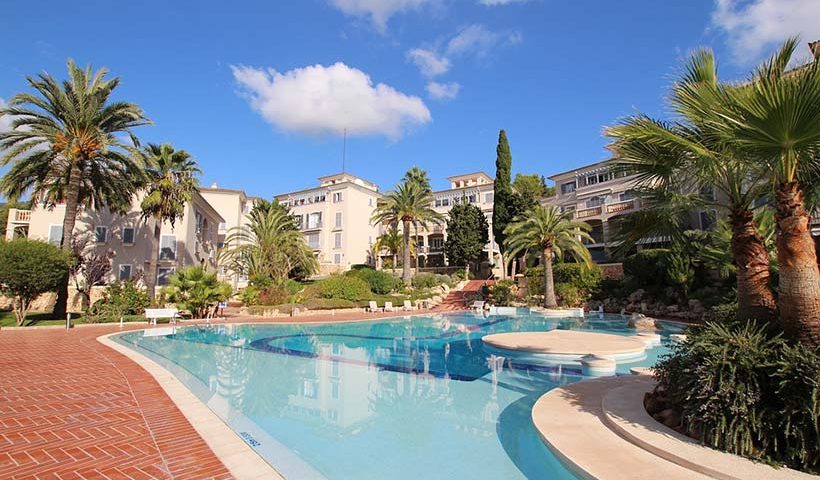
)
(388, 307)
(372, 306)
(477, 305)
(408, 306)
(152, 314)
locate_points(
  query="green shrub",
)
(739, 389)
(380, 282)
(292, 286)
(29, 268)
(430, 280)
(502, 293)
(120, 299)
(584, 278)
(196, 290)
(343, 287)
(360, 266)
(569, 295)
(724, 313)
(648, 267)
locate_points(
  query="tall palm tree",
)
(775, 118)
(171, 184)
(410, 203)
(676, 162)
(391, 241)
(551, 233)
(66, 145)
(269, 246)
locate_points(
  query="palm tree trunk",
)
(549, 287)
(70, 218)
(799, 289)
(755, 297)
(151, 274)
(405, 268)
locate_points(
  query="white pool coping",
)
(238, 457)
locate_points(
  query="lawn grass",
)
(7, 319)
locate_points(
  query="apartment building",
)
(335, 219)
(127, 238)
(234, 206)
(473, 188)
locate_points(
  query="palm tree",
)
(546, 230)
(418, 175)
(410, 203)
(684, 165)
(66, 145)
(392, 242)
(776, 120)
(171, 184)
(269, 246)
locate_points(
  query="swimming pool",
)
(411, 397)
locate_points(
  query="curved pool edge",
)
(237, 456)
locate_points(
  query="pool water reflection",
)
(413, 397)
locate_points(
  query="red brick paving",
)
(72, 408)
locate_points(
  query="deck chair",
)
(408, 306)
(372, 306)
(388, 307)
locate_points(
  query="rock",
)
(696, 307)
(636, 296)
(641, 322)
(672, 309)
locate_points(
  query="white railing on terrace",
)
(22, 216)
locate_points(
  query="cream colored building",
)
(335, 219)
(234, 206)
(473, 188)
(127, 239)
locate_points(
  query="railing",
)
(588, 212)
(22, 216)
(620, 206)
(312, 226)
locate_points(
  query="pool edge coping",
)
(238, 457)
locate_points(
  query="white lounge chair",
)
(372, 306)
(152, 314)
(477, 305)
(388, 307)
(408, 306)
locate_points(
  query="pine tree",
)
(467, 234)
(503, 188)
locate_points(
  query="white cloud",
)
(378, 11)
(492, 3)
(478, 40)
(756, 25)
(443, 91)
(5, 120)
(429, 62)
(321, 100)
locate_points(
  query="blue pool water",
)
(406, 398)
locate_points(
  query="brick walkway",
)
(71, 408)
(457, 300)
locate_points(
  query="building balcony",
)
(618, 207)
(311, 226)
(588, 212)
(21, 216)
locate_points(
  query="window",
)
(313, 240)
(595, 201)
(370, 202)
(128, 235)
(334, 389)
(437, 203)
(101, 234)
(436, 243)
(488, 198)
(471, 198)
(337, 241)
(223, 227)
(568, 187)
(55, 234)
(337, 197)
(309, 388)
(338, 219)
(337, 259)
(445, 202)
(591, 180)
(334, 368)
(164, 275)
(314, 220)
(627, 195)
(168, 247)
(333, 414)
(124, 272)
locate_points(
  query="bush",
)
(739, 389)
(120, 299)
(196, 290)
(569, 295)
(502, 293)
(430, 280)
(724, 313)
(585, 279)
(379, 282)
(29, 268)
(343, 287)
(648, 267)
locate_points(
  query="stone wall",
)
(45, 302)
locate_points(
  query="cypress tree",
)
(503, 188)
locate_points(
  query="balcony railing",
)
(22, 216)
(618, 207)
(588, 212)
(311, 226)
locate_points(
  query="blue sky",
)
(261, 91)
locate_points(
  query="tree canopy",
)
(467, 234)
